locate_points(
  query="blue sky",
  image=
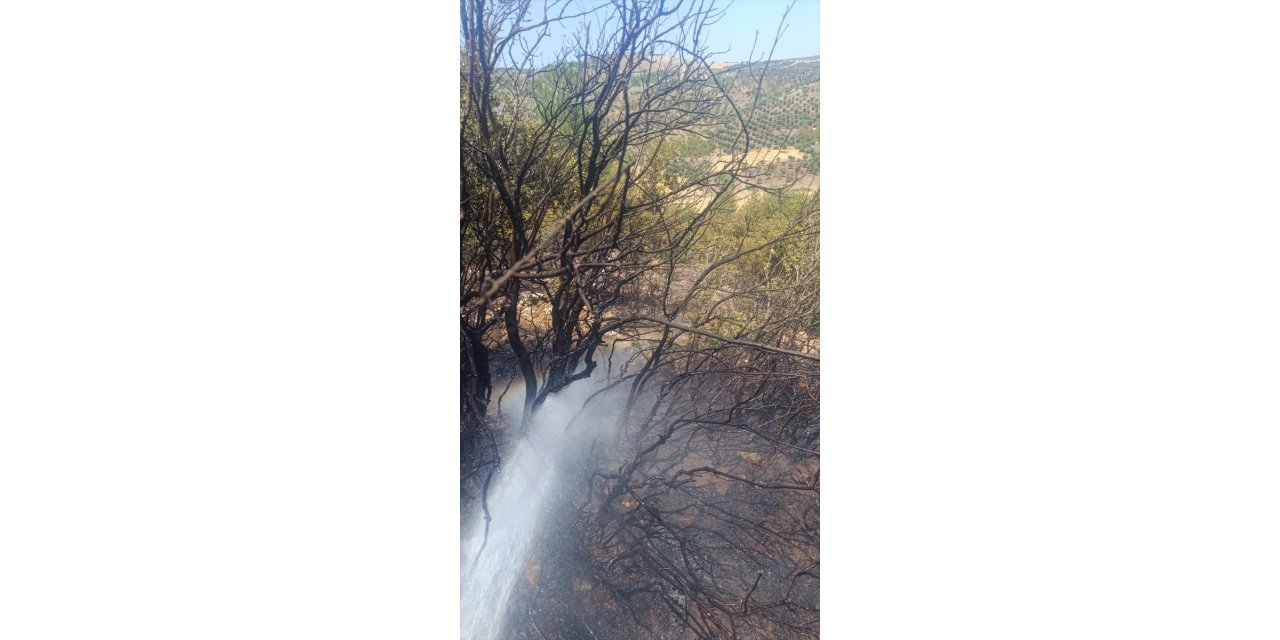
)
(744, 18)
(734, 33)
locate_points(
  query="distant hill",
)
(786, 122)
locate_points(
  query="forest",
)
(639, 342)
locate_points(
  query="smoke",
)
(569, 428)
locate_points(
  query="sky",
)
(744, 18)
(734, 33)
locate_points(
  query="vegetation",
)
(615, 205)
(785, 123)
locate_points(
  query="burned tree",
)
(579, 245)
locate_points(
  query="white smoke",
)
(539, 466)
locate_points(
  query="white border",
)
(1051, 323)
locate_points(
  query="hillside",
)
(780, 100)
(785, 123)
